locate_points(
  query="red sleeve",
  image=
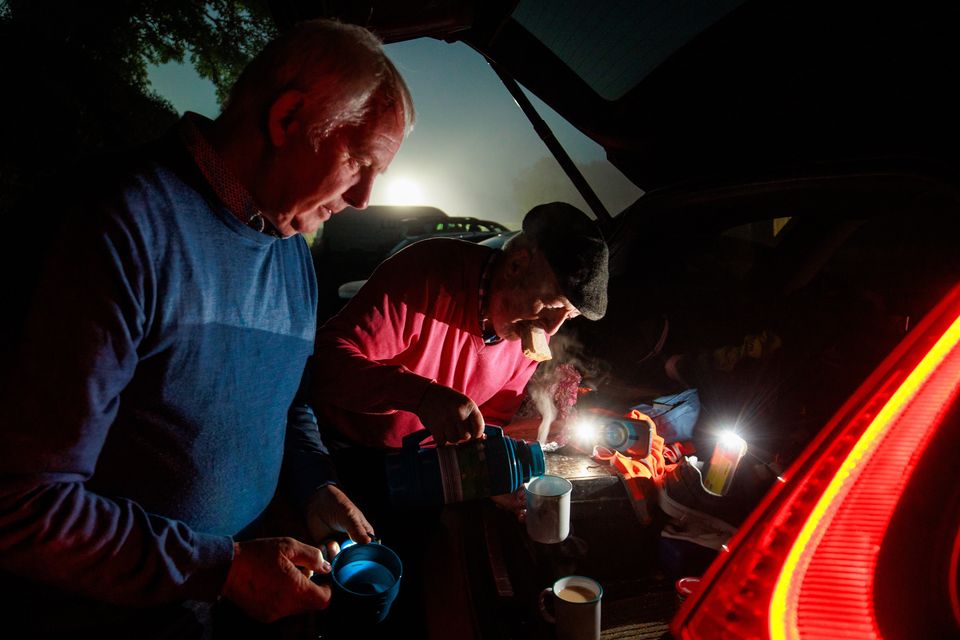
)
(500, 408)
(349, 365)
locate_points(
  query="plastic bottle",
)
(727, 454)
(431, 476)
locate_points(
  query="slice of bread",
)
(533, 340)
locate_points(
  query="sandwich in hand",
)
(533, 340)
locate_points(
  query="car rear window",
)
(613, 48)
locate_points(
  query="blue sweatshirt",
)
(144, 423)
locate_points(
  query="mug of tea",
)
(576, 607)
(548, 509)
(366, 580)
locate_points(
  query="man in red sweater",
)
(432, 340)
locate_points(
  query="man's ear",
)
(281, 118)
(519, 262)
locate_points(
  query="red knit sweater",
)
(414, 322)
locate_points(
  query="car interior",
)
(834, 268)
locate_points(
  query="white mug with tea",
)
(548, 509)
(576, 605)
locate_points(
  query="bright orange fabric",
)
(640, 476)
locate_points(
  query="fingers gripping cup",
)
(366, 580)
(576, 607)
(548, 509)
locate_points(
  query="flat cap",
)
(576, 251)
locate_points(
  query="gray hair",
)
(341, 68)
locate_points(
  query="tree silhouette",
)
(217, 36)
(76, 74)
(75, 88)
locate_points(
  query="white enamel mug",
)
(548, 509)
(576, 607)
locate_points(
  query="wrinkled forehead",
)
(378, 133)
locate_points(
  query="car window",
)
(613, 50)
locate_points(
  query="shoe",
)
(696, 514)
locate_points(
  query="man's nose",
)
(358, 196)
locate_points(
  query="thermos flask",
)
(431, 475)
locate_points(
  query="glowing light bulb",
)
(723, 463)
(585, 431)
(730, 440)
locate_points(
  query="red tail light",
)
(803, 565)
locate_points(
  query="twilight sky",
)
(472, 151)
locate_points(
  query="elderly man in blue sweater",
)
(143, 430)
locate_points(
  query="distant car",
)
(469, 229)
(354, 242)
(498, 240)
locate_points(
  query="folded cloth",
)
(640, 476)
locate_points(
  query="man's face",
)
(528, 294)
(323, 179)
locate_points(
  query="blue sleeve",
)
(307, 465)
(80, 352)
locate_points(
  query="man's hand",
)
(449, 415)
(515, 502)
(331, 510)
(268, 578)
